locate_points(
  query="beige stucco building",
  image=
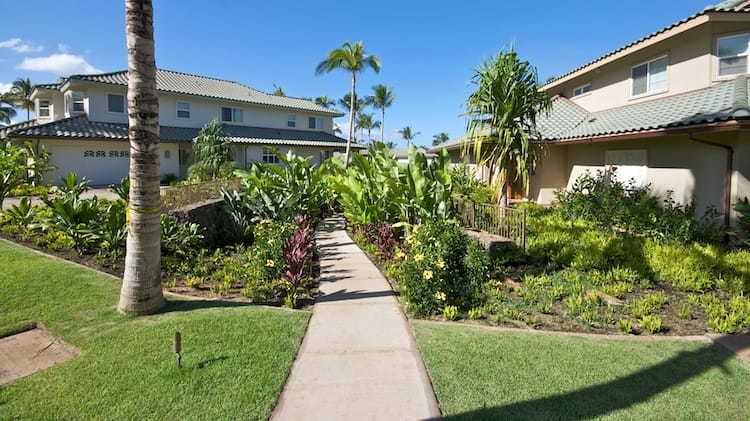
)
(670, 110)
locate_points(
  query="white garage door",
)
(101, 162)
(630, 164)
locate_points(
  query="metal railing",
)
(182, 195)
(494, 219)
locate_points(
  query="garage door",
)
(101, 162)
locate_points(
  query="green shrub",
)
(647, 305)
(625, 326)
(193, 282)
(263, 264)
(475, 313)
(651, 323)
(450, 312)
(690, 267)
(443, 267)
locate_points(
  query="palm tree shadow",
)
(173, 306)
(601, 399)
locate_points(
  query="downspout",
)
(727, 174)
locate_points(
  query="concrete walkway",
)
(359, 360)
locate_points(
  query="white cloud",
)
(17, 45)
(5, 87)
(63, 48)
(61, 64)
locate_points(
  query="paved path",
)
(358, 360)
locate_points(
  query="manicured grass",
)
(235, 358)
(480, 374)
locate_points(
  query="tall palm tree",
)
(141, 291)
(381, 98)
(6, 109)
(324, 101)
(365, 122)
(408, 135)
(278, 90)
(20, 93)
(346, 102)
(354, 59)
(440, 138)
(502, 113)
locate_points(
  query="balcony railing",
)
(505, 222)
(182, 195)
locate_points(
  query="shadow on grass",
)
(191, 305)
(601, 399)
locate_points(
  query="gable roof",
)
(725, 101)
(183, 83)
(727, 6)
(80, 127)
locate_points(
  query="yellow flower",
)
(440, 263)
(400, 254)
(418, 257)
(427, 274)
(266, 221)
(440, 295)
(270, 263)
(270, 242)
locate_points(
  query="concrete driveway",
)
(102, 193)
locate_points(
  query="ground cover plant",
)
(484, 374)
(235, 357)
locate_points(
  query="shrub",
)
(193, 281)
(297, 253)
(443, 267)
(213, 154)
(450, 312)
(651, 323)
(180, 239)
(648, 304)
(475, 313)
(264, 264)
(625, 326)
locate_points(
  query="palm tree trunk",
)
(351, 120)
(141, 284)
(382, 125)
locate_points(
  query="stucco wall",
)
(68, 156)
(692, 65)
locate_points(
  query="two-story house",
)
(670, 110)
(82, 121)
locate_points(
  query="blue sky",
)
(428, 48)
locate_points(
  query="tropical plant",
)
(381, 99)
(502, 113)
(12, 169)
(22, 214)
(297, 252)
(112, 231)
(439, 138)
(141, 291)
(365, 122)
(74, 216)
(177, 238)
(408, 135)
(213, 154)
(70, 184)
(20, 95)
(742, 207)
(122, 190)
(277, 90)
(324, 101)
(6, 109)
(354, 59)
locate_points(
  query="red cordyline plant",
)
(297, 252)
(385, 241)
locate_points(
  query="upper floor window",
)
(44, 108)
(291, 120)
(115, 103)
(650, 77)
(315, 123)
(582, 89)
(269, 157)
(75, 102)
(183, 109)
(231, 114)
(732, 54)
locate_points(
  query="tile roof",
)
(4, 130)
(184, 83)
(81, 127)
(723, 101)
(727, 6)
(403, 153)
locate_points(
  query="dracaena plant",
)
(297, 253)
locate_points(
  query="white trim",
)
(716, 58)
(648, 78)
(50, 110)
(124, 103)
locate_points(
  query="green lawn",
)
(483, 374)
(235, 358)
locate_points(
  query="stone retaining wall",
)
(209, 215)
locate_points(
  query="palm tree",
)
(346, 102)
(20, 93)
(324, 101)
(502, 114)
(440, 138)
(365, 122)
(382, 98)
(141, 291)
(352, 58)
(278, 91)
(408, 135)
(6, 109)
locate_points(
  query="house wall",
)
(691, 65)
(68, 156)
(692, 171)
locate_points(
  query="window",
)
(291, 120)
(75, 102)
(183, 109)
(650, 77)
(315, 123)
(582, 89)
(732, 54)
(231, 114)
(167, 154)
(44, 108)
(269, 157)
(115, 103)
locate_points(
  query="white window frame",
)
(177, 110)
(291, 120)
(717, 59)
(235, 113)
(581, 88)
(124, 103)
(71, 101)
(49, 108)
(648, 78)
(268, 157)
